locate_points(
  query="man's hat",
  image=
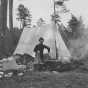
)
(41, 39)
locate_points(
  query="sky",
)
(38, 8)
(44, 8)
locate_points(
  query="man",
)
(40, 48)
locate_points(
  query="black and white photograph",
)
(43, 44)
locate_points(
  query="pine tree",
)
(24, 16)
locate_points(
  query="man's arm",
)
(35, 49)
(47, 48)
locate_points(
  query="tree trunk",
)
(3, 25)
(11, 14)
(4, 15)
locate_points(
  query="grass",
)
(47, 80)
(77, 78)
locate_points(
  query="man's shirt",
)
(40, 47)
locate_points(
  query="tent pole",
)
(54, 8)
(55, 24)
(56, 51)
(54, 11)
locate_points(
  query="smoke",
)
(79, 46)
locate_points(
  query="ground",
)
(47, 80)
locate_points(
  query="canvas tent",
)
(53, 39)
